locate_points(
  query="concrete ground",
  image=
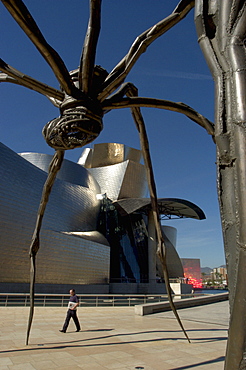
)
(114, 338)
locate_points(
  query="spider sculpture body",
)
(86, 95)
(81, 118)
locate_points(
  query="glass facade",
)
(128, 239)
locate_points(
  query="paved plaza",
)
(114, 338)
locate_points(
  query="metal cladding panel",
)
(174, 264)
(86, 158)
(123, 180)
(134, 184)
(110, 178)
(132, 154)
(107, 154)
(70, 171)
(62, 259)
(171, 234)
(71, 208)
(129, 205)
(95, 236)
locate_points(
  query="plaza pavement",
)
(114, 338)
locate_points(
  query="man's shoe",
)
(77, 330)
(62, 331)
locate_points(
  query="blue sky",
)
(172, 68)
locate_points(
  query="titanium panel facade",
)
(106, 154)
(117, 169)
(71, 208)
(175, 268)
(62, 259)
(69, 171)
(123, 180)
(95, 227)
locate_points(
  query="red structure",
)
(192, 271)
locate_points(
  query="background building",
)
(97, 235)
(215, 278)
(192, 271)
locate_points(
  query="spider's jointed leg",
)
(131, 90)
(117, 76)
(86, 95)
(54, 168)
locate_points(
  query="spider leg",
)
(161, 248)
(224, 51)
(13, 75)
(117, 102)
(87, 60)
(22, 16)
(54, 167)
(139, 46)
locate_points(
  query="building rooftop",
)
(168, 207)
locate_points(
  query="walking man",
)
(72, 307)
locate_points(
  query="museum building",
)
(98, 233)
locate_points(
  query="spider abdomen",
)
(75, 128)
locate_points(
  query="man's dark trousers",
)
(73, 314)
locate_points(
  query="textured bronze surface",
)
(221, 28)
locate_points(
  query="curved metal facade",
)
(175, 268)
(117, 169)
(62, 258)
(69, 171)
(123, 180)
(95, 226)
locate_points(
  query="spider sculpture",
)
(86, 95)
